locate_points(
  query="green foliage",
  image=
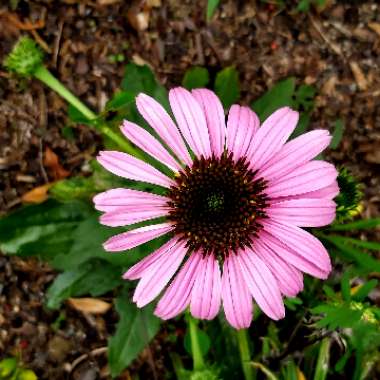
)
(286, 93)
(133, 332)
(196, 77)
(211, 8)
(204, 342)
(25, 57)
(227, 86)
(322, 367)
(94, 277)
(304, 5)
(11, 369)
(337, 134)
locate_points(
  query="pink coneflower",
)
(233, 212)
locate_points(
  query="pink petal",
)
(177, 296)
(145, 141)
(127, 166)
(191, 121)
(271, 136)
(329, 192)
(242, 125)
(162, 123)
(132, 239)
(157, 276)
(295, 153)
(237, 302)
(303, 212)
(138, 270)
(216, 123)
(132, 215)
(289, 279)
(298, 247)
(313, 175)
(114, 199)
(261, 284)
(206, 293)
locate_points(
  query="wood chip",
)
(359, 76)
(89, 305)
(37, 195)
(375, 26)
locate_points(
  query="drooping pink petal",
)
(303, 212)
(133, 238)
(127, 166)
(242, 124)
(216, 123)
(132, 214)
(145, 141)
(157, 276)
(289, 279)
(177, 296)
(295, 153)
(162, 123)
(262, 284)
(329, 192)
(271, 136)
(237, 302)
(114, 199)
(139, 269)
(206, 293)
(191, 121)
(298, 247)
(314, 175)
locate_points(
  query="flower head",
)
(233, 208)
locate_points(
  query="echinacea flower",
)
(232, 213)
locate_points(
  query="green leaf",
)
(196, 77)
(323, 361)
(73, 188)
(77, 117)
(133, 332)
(139, 79)
(372, 245)
(7, 367)
(92, 277)
(351, 254)
(359, 225)
(204, 342)
(345, 286)
(211, 7)
(227, 86)
(337, 135)
(119, 100)
(26, 374)
(304, 97)
(280, 95)
(364, 290)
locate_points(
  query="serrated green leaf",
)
(304, 97)
(135, 329)
(340, 315)
(120, 99)
(280, 95)
(92, 277)
(227, 86)
(337, 134)
(211, 7)
(196, 77)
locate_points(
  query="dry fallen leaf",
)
(89, 305)
(37, 195)
(51, 161)
(359, 76)
(375, 26)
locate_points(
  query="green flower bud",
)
(25, 57)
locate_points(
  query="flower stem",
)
(198, 361)
(245, 355)
(45, 76)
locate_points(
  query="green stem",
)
(245, 355)
(45, 76)
(198, 361)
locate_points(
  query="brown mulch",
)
(337, 50)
